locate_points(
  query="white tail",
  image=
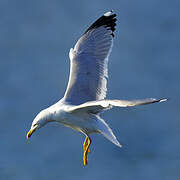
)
(106, 131)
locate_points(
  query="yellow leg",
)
(86, 150)
(85, 147)
(85, 144)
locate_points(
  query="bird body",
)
(84, 99)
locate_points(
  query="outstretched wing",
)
(98, 106)
(89, 62)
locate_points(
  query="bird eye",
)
(34, 125)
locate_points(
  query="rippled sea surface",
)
(35, 38)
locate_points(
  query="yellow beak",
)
(31, 131)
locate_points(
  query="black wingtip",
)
(108, 20)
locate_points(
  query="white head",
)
(39, 121)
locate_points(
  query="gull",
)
(84, 99)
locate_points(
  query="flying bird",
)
(84, 99)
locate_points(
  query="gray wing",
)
(98, 106)
(89, 62)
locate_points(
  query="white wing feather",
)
(89, 63)
(98, 106)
